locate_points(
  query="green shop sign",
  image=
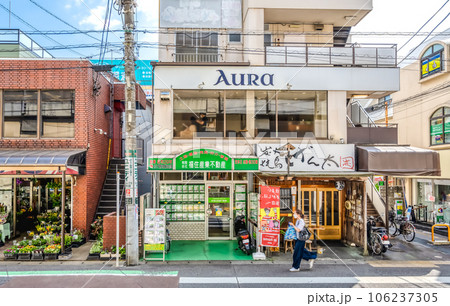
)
(160, 164)
(218, 200)
(203, 160)
(246, 164)
(447, 125)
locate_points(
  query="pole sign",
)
(270, 216)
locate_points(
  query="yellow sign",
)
(154, 247)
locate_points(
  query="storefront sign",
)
(270, 216)
(246, 164)
(307, 157)
(244, 79)
(218, 200)
(437, 129)
(154, 229)
(203, 160)
(160, 164)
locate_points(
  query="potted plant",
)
(96, 249)
(11, 253)
(51, 252)
(25, 252)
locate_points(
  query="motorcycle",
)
(377, 237)
(242, 235)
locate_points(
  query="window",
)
(440, 126)
(234, 38)
(58, 113)
(20, 113)
(196, 46)
(431, 61)
(235, 114)
(23, 119)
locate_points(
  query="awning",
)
(42, 161)
(398, 160)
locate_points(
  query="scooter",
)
(377, 237)
(242, 235)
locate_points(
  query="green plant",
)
(38, 242)
(96, 248)
(97, 227)
(11, 250)
(57, 239)
(24, 243)
(27, 249)
(67, 240)
(52, 249)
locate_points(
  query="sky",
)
(386, 16)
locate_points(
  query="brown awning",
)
(398, 160)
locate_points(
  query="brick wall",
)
(35, 74)
(109, 230)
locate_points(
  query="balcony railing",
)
(14, 36)
(196, 57)
(348, 55)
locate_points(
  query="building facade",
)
(56, 116)
(255, 93)
(421, 108)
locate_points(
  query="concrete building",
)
(251, 93)
(421, 108)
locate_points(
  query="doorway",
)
(322, 207)
(219, 211)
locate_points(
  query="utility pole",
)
(132, 245)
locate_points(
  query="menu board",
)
(183, 202)
(154, 229)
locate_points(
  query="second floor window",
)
(440, 126)
(38, 113)
(431, 61)
(196, 46)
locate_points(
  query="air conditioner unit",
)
(165, 95)
(318, 27)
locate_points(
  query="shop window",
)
(219, 176)
(198, 114)
(170, 176)
(240, 176)
(265, 114)
(432, 60)
(440, 126)
(58, 113)
(193, 176)
(196, 46)
(234, 38)
(20, 113)
(236, 113)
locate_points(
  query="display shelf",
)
(183, 202)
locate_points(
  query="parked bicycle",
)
(399, 225)
(377, 237)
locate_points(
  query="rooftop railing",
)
(15, 36)
(347, 55)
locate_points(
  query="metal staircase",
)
(107, 203)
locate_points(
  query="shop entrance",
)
(322, 207)
(218, 211)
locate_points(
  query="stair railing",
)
(378, 202)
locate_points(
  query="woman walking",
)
(299, 250)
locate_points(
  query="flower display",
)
(52, 249)
(27, 249)
(13, 250)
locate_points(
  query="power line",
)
(425, 37)
(62, 20)
(424, 25)
(12, 13)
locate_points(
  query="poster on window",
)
(270, 216)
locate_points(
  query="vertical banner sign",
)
(131, 179)
(270, 216)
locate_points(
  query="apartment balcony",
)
(16, 44)
(197, 57)
(347, 55)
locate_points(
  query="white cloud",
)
(96, 18)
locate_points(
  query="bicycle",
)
(401, 226)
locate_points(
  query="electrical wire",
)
(23, 21)
(62, 20)
(424, 25)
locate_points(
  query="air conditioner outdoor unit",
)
(165, 96)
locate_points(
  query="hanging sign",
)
(270, 216)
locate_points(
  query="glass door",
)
(322, 207)
(218, 211)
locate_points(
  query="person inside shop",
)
(190, 129)
(299, 250)
(201, 122)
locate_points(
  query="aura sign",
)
(244, 79)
